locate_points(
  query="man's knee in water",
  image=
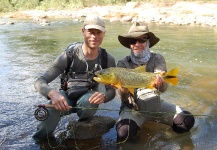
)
(85, 109)
(126, 129)
(83, 101)
(183, 122)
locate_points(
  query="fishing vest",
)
(70, 79)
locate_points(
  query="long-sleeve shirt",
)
(156, 63)
(80, 65)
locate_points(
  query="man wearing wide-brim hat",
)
(146, 101)
(136, 31)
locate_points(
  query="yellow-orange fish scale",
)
(132, 78)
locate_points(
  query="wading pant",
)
(152, 108)
(47, 127)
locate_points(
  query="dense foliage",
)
(14, 5)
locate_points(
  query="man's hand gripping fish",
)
(133, 78)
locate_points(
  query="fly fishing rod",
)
(41, 113)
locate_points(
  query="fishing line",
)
(41, 114)
(117, 143)
(3, 140)
(41, 110)
(140, 111)
(67, 116)
(76, 146)
(48, 140)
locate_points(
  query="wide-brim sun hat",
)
(136, 30)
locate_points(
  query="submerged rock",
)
(91, 128)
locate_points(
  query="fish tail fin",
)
(171, 77)
(172, 81)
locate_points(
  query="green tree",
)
(6, 6)
(25, 4)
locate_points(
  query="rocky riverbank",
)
(180, 13)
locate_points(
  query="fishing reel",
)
(41, 113)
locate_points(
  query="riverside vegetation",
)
(15, 5)
(188, 12)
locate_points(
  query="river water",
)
(27, 50)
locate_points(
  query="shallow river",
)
(27, 49)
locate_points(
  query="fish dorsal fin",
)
(141, 68)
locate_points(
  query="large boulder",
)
(89, 129)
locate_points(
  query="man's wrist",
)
(105, 97)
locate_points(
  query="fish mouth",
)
(97, 79)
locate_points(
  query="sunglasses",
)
(140, 40)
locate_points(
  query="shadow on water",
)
(27, 50)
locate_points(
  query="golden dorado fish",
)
(133, 78)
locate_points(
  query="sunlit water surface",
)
(27, 49)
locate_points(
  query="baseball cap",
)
(94, 22)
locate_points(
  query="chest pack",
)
(82, 78)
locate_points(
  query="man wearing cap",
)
(146, 102)
(76, 65)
